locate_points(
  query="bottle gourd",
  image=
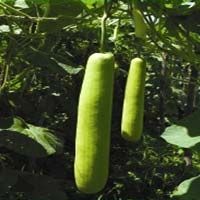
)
(94, 124)
(133, 105)
(140, 25)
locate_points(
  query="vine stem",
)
(5, 77)
(6, 6)
(103, 26)
(103, 33)
(6, 66)
(31, 19)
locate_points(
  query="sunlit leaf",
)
(21, 4)
(185, 133)
(188, 189)
(27, 139)
(69, 69)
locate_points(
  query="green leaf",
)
(20, 81)
(27, 139)
(42, 59)
(69, 69)
(185, 133)
(179, 135)
(188, 189)
(21, 4)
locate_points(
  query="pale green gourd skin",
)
(133, 105)
(140, 25)
(94, 124)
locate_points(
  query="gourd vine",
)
(6, 65)
(107, 8)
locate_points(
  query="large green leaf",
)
(188, 189)
(185, 133)
(42, 59)
(27, 139)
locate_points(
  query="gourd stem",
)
(135, 3)
(107, 8)
(103, 33)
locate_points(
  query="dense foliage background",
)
(45, 45)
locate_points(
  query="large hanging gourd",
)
(133, 106)
(94, 124)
